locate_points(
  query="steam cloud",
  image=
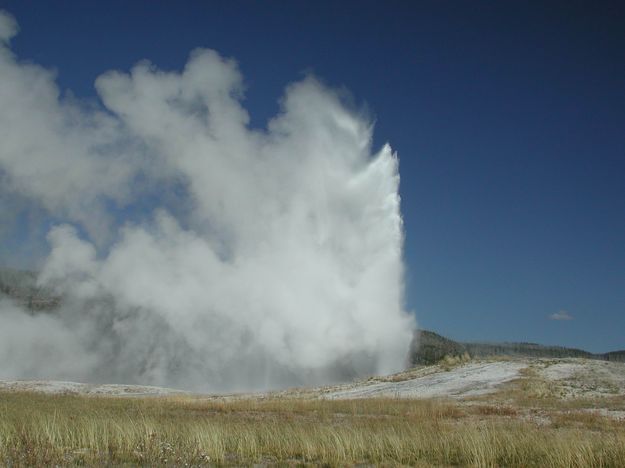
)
(191, 250)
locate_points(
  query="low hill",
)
(429, 348)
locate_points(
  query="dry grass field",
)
(525, 423)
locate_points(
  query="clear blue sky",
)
(508, 117)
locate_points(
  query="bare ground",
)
(568, 378)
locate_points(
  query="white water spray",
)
(192, 251)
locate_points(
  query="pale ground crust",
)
(471, 379)
(572, 378)
(56, 387)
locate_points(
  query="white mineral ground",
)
(573, 377)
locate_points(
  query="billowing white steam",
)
(196, 252)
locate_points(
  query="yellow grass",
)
(47, 430)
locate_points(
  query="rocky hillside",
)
(429, 348)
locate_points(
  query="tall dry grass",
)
(46, 430)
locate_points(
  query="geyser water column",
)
(195, 252)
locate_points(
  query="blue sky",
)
(508, 117)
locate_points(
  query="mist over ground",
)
(189, 249)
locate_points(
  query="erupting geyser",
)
(195, 252)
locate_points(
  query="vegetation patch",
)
(40, 429)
